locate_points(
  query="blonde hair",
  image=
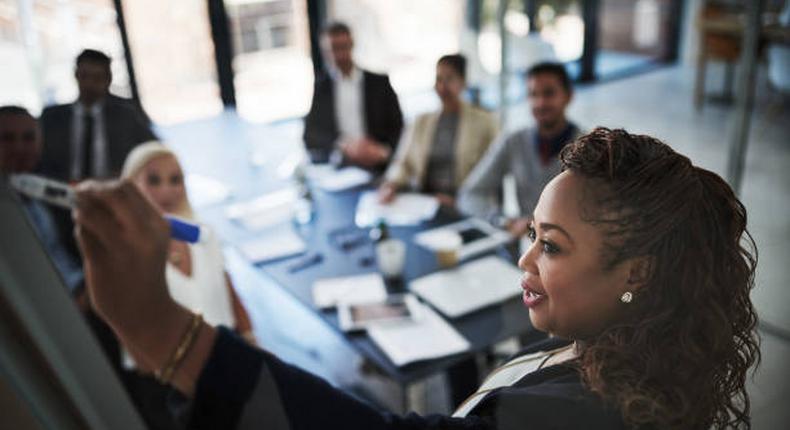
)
(143, 154)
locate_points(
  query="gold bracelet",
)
(166, 374)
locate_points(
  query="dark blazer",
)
(383, 118)
(246, 387)
(125, 127)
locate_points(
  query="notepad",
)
(477, 235)
(276, 244)
(428, 336)
(264, 211)
(405, 209)
(341, 179)
(366, 288)
(469, 287)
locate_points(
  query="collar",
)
(354, 77)
(80, 109)
(557, 142)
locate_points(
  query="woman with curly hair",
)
(640, 268)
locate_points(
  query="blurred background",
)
(243, 70)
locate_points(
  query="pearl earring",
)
(627, 297)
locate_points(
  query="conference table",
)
(333, 215)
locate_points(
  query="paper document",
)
(205, 190)
(340, 180)
(280, 243)
(366, 288)
(478, 237)
(429, 336)
(265, 211)
(406, 209)
(469, 287)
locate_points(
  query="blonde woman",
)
(196, 276)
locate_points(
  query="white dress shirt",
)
(100, 163)
(349, 107)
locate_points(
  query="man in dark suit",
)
(355, 117)
(92, 136)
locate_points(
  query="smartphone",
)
(472, 234)
(395, 309)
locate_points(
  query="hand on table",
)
(445, 200)
(387, 192)
(365, 152)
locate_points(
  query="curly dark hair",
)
(679, 356)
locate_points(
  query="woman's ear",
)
(640, 272)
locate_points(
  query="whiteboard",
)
(48, 357)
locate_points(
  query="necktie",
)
(87, 145)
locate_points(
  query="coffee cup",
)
(447, 245)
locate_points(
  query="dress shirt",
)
(348, 104)
(68, 268)
(99, 168)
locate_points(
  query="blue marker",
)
(61, 194)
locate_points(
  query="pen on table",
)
(61, 194)
(307, 261)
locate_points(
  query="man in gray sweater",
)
(530, 154)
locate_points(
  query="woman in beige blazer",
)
(441, 148)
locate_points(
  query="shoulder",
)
(423, 118)
(559, 403)
(578, 131)
(375, 78)
(476, 112)
(322, 79)
(56, 111)
(516, 140)
(120, 105)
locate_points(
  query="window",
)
(403, 38)
(272, 64)
(39, 40)
(173, 58)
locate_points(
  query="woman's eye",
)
(549, 248)
(153, 180)
(531, 234)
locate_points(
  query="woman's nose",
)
(527, 260)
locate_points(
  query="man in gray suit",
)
(91, 137)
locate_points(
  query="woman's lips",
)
(531, 296)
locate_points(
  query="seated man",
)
(91, 137)
(355, 118)
(530, 154)
(20, 149)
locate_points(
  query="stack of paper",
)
(366, 288)
(279, 243)
(469, 287)
(429, 336)
(405, 209)
(205, 190)
(488, 238)
(265, 211)
(340, 180)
